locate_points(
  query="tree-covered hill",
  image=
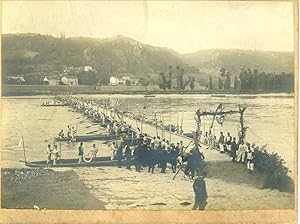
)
(36, 55)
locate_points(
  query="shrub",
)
(273, 165)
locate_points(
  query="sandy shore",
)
(229, 187)
(45, 188)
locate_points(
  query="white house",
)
(69, 80)
(124, 80)
(88, 68)
(52, 81)
(114, 81)
(17, 78)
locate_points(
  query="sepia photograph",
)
(149, 106)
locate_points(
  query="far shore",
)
(32, 90)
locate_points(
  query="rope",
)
(87, 160)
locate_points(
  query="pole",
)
(182, 163)
(23, 144)
(142, 121)
(181, 126)
(60, 150)
(177, 125)
(170, 136)
(163, 127)
(156, 124)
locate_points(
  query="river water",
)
(269, 118)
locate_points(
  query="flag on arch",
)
(21, 142)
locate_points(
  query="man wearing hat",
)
(199, 188)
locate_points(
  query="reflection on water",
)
(269, 118)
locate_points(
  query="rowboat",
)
(53, 105)
(149, 96)
(218, 95)
(86, 138)
(100, 161)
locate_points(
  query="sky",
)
(184, 26)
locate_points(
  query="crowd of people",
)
(240, 151)
(53, 154)
(155, 152)
(140, 151)
(71, 133)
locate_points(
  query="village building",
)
(124, 80)
(69, 80)
(113, 81)
(51, 81)
(16, 79)
(88, 68)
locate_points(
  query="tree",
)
(169, 85)
(163, 84)
(181, 78)
(145, 82)
(227, 83)
(178, 77)
(236, 83)
(127, 82)
(87, 78)
(210, 87)
(222, 71)
(220, 84)
(192, 83)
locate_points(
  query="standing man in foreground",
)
(199, 187)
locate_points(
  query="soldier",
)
(94, 152)
(199, 188)
(174, 153)
(128, 156)
(197, 161)
(151, 158)
(164, 158)
(234, 148)
(119, 154)
(221, 142)
(228, 140)
(137, 155)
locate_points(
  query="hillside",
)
(210, 61)
(40, 55)
(34, 53)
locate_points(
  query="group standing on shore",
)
(241, 152)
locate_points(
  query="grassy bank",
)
(44, 188)
(29, 90)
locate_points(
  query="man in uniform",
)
(94, 153)
(199, 188)
(221, 142)
(128, 156)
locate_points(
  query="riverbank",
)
(32, 90)
(45, 188)
(229, 186)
